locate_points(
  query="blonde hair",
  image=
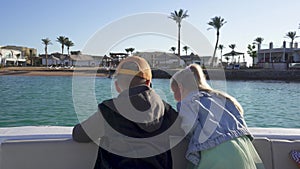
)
(128, 81)
(193, 78)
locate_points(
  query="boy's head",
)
(132, 71)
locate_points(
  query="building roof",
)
(81, 57)
(190, 57)
(233, 53)
(279, 50)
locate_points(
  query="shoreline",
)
(216, 74)
(43, 71)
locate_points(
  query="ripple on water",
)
(49, 100)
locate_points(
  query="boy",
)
(135, 129)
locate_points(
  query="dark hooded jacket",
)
(137, 131)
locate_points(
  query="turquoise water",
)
(55, 100)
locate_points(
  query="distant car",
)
(236, 66)
(198, 62)
(294, 66)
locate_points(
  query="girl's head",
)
(192, 78)
(187, 80)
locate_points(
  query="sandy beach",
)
(242, 74)
(43, 71)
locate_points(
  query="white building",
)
(11, 57)
(162, 60)
(278, 58)
(57, 59)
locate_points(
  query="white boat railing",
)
(51, 147)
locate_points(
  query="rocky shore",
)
(216, 74)
(263, 74)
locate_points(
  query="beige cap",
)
(143, 69)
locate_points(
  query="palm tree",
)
(227, 58)
(178, 16)
(173, 49)
(221, 47)
(62, 40)
(131, 50)
(216, 23)
(232, 46)
(46, 42)
(186, 48)
(292, 36)
(252, 53)
(127, 50)
(258, 41)
(69, 44)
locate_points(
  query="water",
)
(64, 101)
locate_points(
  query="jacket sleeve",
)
(89, 130)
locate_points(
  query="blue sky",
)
(26, 22)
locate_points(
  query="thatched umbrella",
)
(233, 54)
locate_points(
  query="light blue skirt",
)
(238, 153)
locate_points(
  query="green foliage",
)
(232, 46)
(129, 50)
(62, 40)
(186, 48)
(173, 49)
(252, 53)
(177, 16)
(217, 22)
(259, 40)
(69, 44)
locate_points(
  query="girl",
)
(219, 137)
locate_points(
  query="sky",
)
(26, 22)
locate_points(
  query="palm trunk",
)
(216, 46)
(221, 58)
(178, 44)
(46, 60)
(46, 56)
(178, 40)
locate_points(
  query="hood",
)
(141, 105)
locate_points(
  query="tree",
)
(69, 44)
(131, 50)
(227, 58)
(221, 47)
(292, 36)
(173, 49)
(252, 53)
(127, 50)
(186, 48)
(216, 23)
(178, 16)
(232, 46)
(62, 40)
(46, 42)
(258, 41)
